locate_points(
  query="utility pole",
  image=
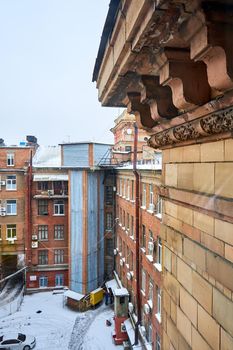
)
(138, 292)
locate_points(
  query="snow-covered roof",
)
(111, 284)
(74, 295)
(120, 292)
(50, 177)
(47, 157)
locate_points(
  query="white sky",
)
(48, 50)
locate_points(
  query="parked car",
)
(17, 341)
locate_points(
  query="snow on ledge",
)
(73, 295)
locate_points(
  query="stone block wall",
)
(197, 233)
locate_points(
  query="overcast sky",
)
(47, 56)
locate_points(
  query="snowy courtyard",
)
(55, 326)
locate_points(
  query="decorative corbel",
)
(211, 42)
(158, 97)
(187, 79)
(140, 110)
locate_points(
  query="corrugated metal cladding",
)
(76, 230)
(101, 227)
(76, 155)
(99, 152)
(92, 261)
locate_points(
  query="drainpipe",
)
(29, 212)
(138, 292)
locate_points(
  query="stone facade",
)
(170, 63)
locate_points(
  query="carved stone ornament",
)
(216, 123)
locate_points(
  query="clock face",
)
(128, 131)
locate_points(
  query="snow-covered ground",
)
(57, 327)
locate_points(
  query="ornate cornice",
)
(215, 123)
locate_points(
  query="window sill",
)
(132, 237)
(11, 189)
(11, 239)
(8, 214)
(59, 239)
(158, 267)
(143, 207)
(150, 211)
(150, 303)
(150, 257)
(158, 317)
(159, 216)
(58, 214)
(127, 265)
(143, 250)
(132, 200)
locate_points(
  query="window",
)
(128, 189)
(43, 257)
(123, 219)
(59, 280)
(43, 185)
(109, 222)
(11, 207)
(10, 159)
(128, 148)
(151, 243)
(58, 231)
(11, 182)
(42, 207)
(150, 293)
(159, 207)
(59, 207)
(108, 195)
(132, 190)
(149, 332)
(43, 232)
(127, 221)
(143, 236)
(151, 205)
(11, 232)
(43, 281)
(132, 226)
(143, 195)
(143, 281)
(58, 256)
(159, 251)
(158, 342)
(158, 306)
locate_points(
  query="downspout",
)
(138, 292)
(29, 212)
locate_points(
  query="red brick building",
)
(47, 255)
(14, 161)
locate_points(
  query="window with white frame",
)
(158, 306)
(59, 280)
(159, 251)
(151, 204)
(43, 281)
(159, 207)
(128, 189)
(143, 280)
(11, 232)
(43, 232)
(11, 207)
(59, 207)
(11, 183)
(151, 292)
(158, 342)
(132, 226)
(58, 256)
(109, 221)
(43, 257)
(149, 332)
(10, 159)
(150, 243)
(143, 195)
(58, 231)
